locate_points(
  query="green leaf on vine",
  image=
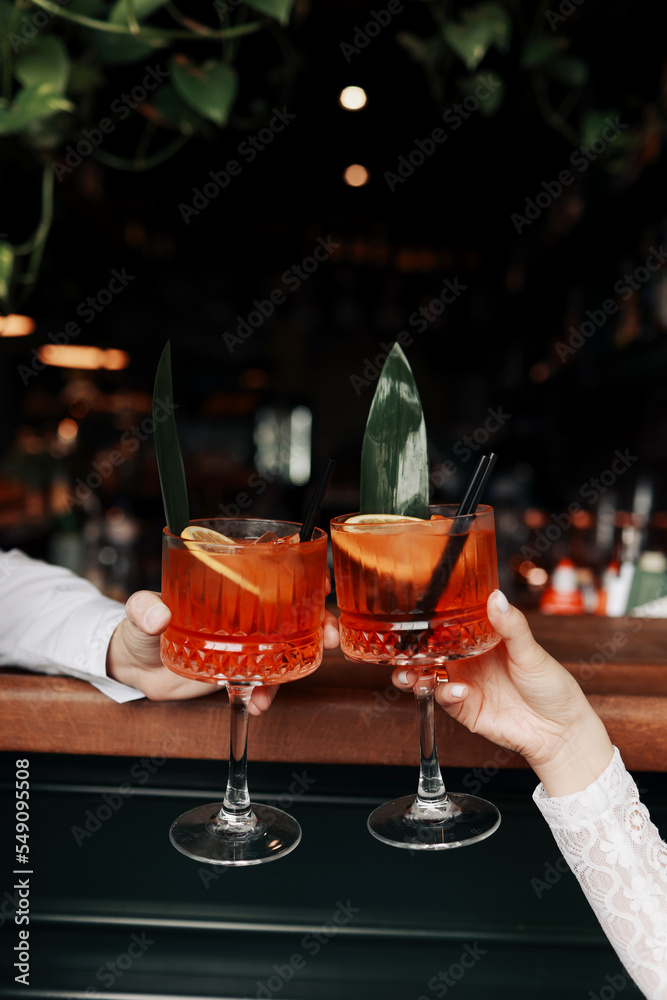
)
(120, 49)
(478, 85)
(483, 26)
(594, 124)
(279, 9)
(45, 61)
(209, 89)
(172, 108)
(6, 268)
(30, 104)
(539, 50)
(142, 10)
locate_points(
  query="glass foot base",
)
(199, 835)
(406, 823)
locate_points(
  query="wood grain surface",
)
(349, 713)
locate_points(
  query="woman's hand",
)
(133, 656)
(519, 697)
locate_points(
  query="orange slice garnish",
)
(200, 541)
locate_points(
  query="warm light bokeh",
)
(16, 326)
(353, 98)
(537, 576)
(78, 356)
(67, 430)
(355, 175)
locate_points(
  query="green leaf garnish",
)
(394, 457)
(169, 459)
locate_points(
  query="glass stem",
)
(236, 803)
(431, 786)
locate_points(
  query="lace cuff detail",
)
(607, 838)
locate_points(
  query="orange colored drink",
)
(246, 612)
(415, 592)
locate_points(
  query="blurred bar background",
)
(519, 259)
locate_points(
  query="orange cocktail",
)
(249, 612)
(247, 605)
(412, 593)
(415, 591)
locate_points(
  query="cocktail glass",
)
(413, 593)
(245, 613)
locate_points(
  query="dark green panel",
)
(238, 964)
(219, 933)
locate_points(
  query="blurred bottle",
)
(649, 581)
(618, 590)
(605, 531)
(606, 584)
(633, 536)
(65, 546)
(562, 596)
(587, 589)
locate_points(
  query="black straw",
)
(310, 520)
(455, 544)
(477, 485)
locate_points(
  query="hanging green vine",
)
(55, 59)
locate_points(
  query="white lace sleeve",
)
(607, 838)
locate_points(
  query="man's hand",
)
(133, 656)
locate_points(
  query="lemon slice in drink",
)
(381, 519)
(197, 534)
(386, 550)
(198, 539)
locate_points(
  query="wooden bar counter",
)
(349, 714)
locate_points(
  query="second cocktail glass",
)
(245, 613)
(413, 593)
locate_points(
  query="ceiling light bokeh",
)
(353, 98)
(356, 175)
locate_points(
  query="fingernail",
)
(458, 690)
(402, 677)
(157, 616)
(501, 602)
